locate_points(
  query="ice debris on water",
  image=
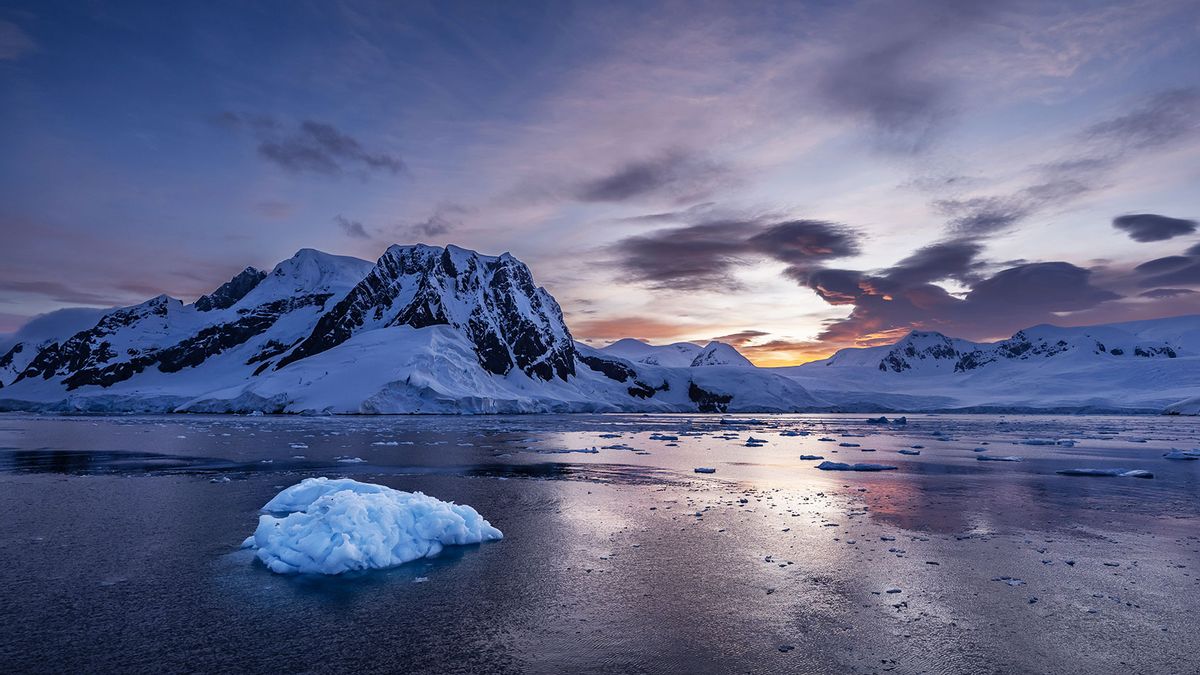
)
(906, 451)
(996, 458)
(842, 466)
(328, 526)
(704, 469)
(1183, 454)
(1122, 473)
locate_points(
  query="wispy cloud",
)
(312, 147)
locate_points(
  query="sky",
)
(791, 177)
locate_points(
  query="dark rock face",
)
(613, 370)
(707, 401)
(231, 291)
(918, 347)
(493, 301)
(87, 358)
(90, 350)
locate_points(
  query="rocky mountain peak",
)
(491, 299)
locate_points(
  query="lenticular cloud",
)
(328, 526)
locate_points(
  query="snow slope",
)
(1136, 366)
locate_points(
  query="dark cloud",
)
(887, 88)
(444, 219)
(887, 304)
(1163, 118)
(887, 74)
(314, 147)
(704, 255)
(1153, 227)
(1184, 275)
(352, 228)
(677, 175)
(1160, 265)
(954, 259)
(1161, 293)
(740, 338)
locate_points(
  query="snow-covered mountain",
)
(424, 329)
(676, 355)
(1142, 366)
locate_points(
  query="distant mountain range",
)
(446, 330)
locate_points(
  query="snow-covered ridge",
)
(423, 330)
(1133, 366)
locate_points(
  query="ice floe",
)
(331, 526)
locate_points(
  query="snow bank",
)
(329, 526)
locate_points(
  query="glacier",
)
(334, 526)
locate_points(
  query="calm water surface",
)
(121, 546)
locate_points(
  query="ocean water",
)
(121, 546)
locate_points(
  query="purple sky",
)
(793, 177)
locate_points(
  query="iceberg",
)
(842, 466)
(1119, 473)
(324, 526)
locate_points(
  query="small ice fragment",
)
(810, 457)
(704, 469)
(994, 458)
(350, 460)
(909, 452)
(1183, 454)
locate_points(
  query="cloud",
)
(1161, 119)
(444, 219)
(1153, 227)
(886, 307)
(1159, 293)
(352, 228)
(313, 147)
(889, 73)
(705, 255)
(677, 175)
(740, 338)
(15, 43)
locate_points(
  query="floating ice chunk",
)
(997, 458)
(809, 457)
(1122, 473)
(351, 460)
(704, 469)
(386, 443)
(847, 445)
(909, 452)
(297, 446)
(336, 526)
(1182, 454)
(663, 437)
(1039, 441)
(1065, 442)
(842, 466)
